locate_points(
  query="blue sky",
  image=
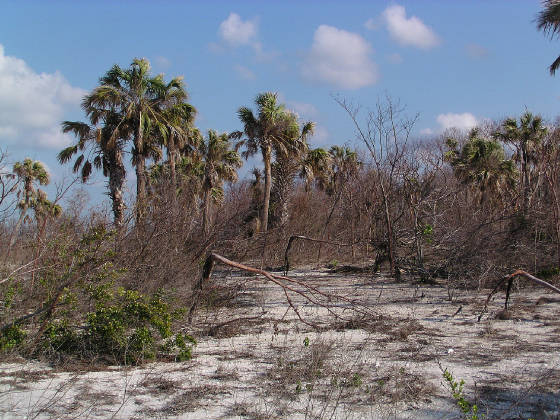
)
(455, 63)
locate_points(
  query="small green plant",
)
(427, 232)
(469, 410)
(306, 341)
(332, 264)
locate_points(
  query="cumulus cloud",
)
(476, 51)
(464, 121)
(409, 31)
(244, 72)
(32, 104)
(372, 24)
(340, 58)
(236, 32)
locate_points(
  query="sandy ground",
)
(381, 357)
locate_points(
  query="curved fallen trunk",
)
(509, 279)
(309, 293)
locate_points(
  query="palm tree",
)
(548, 21)
(525, 137)
(220, 163)
(316, 168)
(180, 119)
(98, 148)
(140, 100)
(290, 156)
(28, 172)
(481, 163)
(273, 129)
(344, 164)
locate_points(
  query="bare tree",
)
(385, 131)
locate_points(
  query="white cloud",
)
(426, 131)
(372, 24)
(476, 51)
(244, 72)
(304, 109)
(409, 31)
(464, 121)
(237, 32)
(340, 58)
(32, 104)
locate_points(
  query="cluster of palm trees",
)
(132, 107)
(482, 164)
(129, 106)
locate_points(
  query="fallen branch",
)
(309, 293)
(305, 238)
(509, 279)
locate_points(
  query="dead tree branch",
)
(311, 294)
(509, 280)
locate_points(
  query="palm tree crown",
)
(140, 101)
(482, 164)
(548, 21)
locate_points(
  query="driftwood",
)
(304, 238)
(309, 293)
(509, 280)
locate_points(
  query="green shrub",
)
(11, 337)
(125, 325)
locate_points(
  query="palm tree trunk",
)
(140, 173)
(206, 213)
(171, 157)
(267, 157)
(525, 170)
(117, 176)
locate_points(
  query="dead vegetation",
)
(387, 257)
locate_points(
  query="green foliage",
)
(8, 298)
(427, 232)
(482, 164)
(469, 410)
(11, 337)
(124, 325)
